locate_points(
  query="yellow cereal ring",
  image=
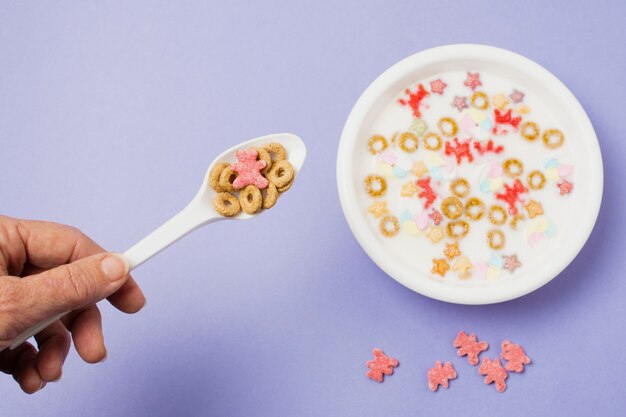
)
(452, 207)
(513, 167)
(227, 177)
(471, 212)
(286, 187)
(408, 142)
(250, 199)
(375, 185)
(270, 196)
(447, 126)
(389, 225)
(377, 144)
(497, 215)
(536, 180)
(281, 173)
(496, 239)
(550, 142)
(276, 150)
(452, 229)
(529, 131)
(214, 176)
(264, 155)
(428, 143)
(226, 204)
(460, 187)
(480, 100)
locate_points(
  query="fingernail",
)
(115, 267)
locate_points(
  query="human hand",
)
(47, 269)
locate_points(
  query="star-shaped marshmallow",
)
(565, 187)
(517, 96)
(436, 216)
(534, 209)
(437, 86)
(472, 81)
(249, 169)
(511, 263)
(452, 250)
(440, 267)
(459, 103)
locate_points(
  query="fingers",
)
(70, 287)
(54, 345)
(129, 298)
(86, 328)
(32, 369)
(50, 245)
(20, 363)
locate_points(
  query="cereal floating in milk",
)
(467, 164)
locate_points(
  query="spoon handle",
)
(187, 220)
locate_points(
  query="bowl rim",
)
(348, 196)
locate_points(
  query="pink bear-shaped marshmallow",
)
(381, 365)
(494, 373)
(249, 170)
(468, 345)
(440, 375)
(515, 356)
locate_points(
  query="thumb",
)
(76, 285)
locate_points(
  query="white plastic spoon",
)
(198, 213)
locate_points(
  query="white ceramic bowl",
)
(567, 110)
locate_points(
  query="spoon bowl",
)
(296, 153)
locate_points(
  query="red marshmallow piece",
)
(436, 216)
(468, 345)
(440, 375)
(415, 99)
(515, 356)
(511, 195)
(460, 150)
(565, 187)
(494, 372)
(380, 365)
(426, 192)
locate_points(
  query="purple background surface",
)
(109, 115)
